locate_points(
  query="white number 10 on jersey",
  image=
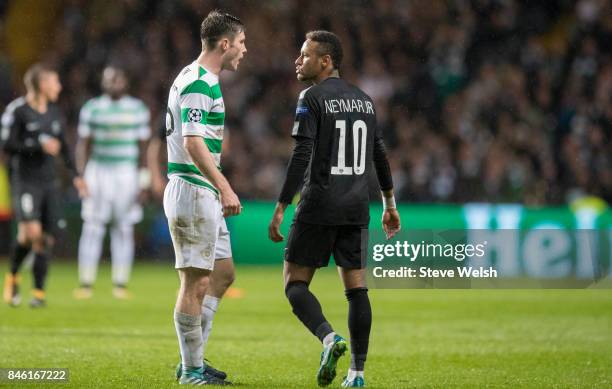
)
(360, 135)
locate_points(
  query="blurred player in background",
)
(32, 136)
(337, 140)
(198, 196)
(113, 131)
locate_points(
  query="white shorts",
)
(197, 226)
(113, 193)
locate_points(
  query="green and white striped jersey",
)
(115, 127)
(195, 107)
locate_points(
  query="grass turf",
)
(420, 338)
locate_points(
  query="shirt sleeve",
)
(7, 122)
(12, 140)
(306, 112)
(381, 163)
(296, 169)
(196, 102)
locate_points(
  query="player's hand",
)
(274, 228)
(230, 203)
(391, 222)
(51, 146)
(157, 187)
(81, 187)
(143, 197)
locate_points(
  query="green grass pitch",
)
(420, 338)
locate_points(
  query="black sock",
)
(39, 270)
(307, 308)
(359, 323)
(17, 256)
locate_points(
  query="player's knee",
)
(356, 293)
(38, 243)
(93, 229)
(34, 234)
(294, 289)
(228, 278)
(125, 229)
(201, 286)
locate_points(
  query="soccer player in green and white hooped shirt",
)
(198, 197)
(113, 130)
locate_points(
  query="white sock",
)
(122, 252)
(90, 249)
(189, 332)
(328, 339)
(352, 374)
(209, 308)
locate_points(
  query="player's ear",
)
(224, 44)
(326, 60)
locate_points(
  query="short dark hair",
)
(218, 24)
(32, 76)
(329, 44)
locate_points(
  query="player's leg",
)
(308, 248)
(308, 309)
(126, 212)
(89, 252)
(303, 303)
(21, 248)
(350, 253)
(42, 246)
(193, 215)
(359, 322)
(34, 234)
(188, 321)
(222, 278)
(33, 204)
(122, 255)
(23, 208)
(187, 312)
(95, 212)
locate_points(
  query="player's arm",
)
(14, 143)
(153, 162)
(293, 180)
(83, 147)
(144, 136)
(304, 132)
(390, 217)
(66, 153)
(194, 132)
(205, 163)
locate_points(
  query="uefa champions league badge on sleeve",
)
(194, 115)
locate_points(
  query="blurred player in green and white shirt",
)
(113, 131)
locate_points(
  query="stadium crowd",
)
(496, 100)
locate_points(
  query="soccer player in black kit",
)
(32, 136)
(337, 140)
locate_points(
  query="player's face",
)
(114, 82)
(235, 51)
(50, 86)
(308, 66)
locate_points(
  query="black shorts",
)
(312, 244)
(36, 201)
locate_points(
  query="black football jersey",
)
(23, 128)
(341, 120)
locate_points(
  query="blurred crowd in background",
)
(482, 100)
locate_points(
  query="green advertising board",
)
(538, 231)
